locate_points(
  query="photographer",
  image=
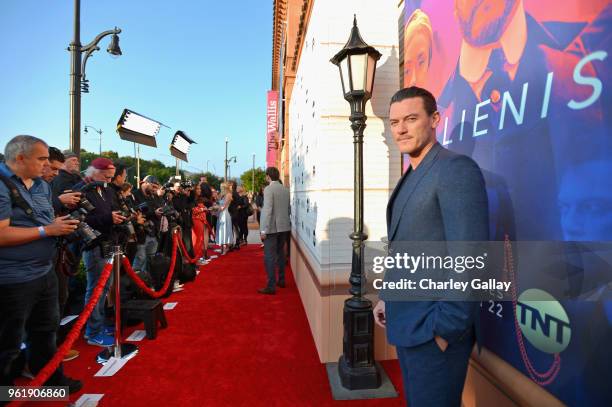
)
(184, 202)
(66, 200)
(68, 175)
(101, 218)
(28, 286)
(65, 263)
(150, 205)
(134, 232)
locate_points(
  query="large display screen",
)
(523, 88)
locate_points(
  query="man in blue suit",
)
(441, 197)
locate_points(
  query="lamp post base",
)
(356, 366)
(339, 392)
(357, 378)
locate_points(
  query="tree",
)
(247, 179)
(213, 180)
(153, 167)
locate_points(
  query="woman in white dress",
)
(224, 235)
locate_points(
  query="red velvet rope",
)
(150, 292)
(54, 363)
(185, 252)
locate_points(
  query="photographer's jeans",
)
(143, 251)
(31, 308)
(94, 264)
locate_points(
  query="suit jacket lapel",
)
(392, 198)
(404, 196)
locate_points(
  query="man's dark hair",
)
(56, 155)
(429, 101)
(126, 187)
(273, 173)
(119, 168)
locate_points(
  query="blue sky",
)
(199, 66)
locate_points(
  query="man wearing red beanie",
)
(106, 214)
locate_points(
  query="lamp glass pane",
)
(371, 69)
(344, 71)
(358, 71)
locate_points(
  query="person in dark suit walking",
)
(441, 197)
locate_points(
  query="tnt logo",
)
(543, 321)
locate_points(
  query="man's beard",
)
(490, 31)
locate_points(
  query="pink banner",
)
(272, 142)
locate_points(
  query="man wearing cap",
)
(147, 195)
(65, 200)
(68, 175)
(102, 218)
(62, 204)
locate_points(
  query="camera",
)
(83, 231)
(187, 184)
(127, 226)
(169, 212)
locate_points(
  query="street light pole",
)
(99, 135)
(77, 72)
(253, 184)
(225, 176)
(75, 82)
(227, 161)
(356, 367)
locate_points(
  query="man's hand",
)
(158, 212)
(118, 218)
(379, 314)
(441, 342)
(262, 236)
(70, 199)
(61, 226)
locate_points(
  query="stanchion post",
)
(126, 349)
(117, 272)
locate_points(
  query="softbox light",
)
(138, 128)
(180, 145)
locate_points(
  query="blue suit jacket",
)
(444, 199)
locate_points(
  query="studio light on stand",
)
(179, 148)
(138, 129)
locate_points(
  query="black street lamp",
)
(356, 367)
(99, 135)
(228, 161)
(78, 83)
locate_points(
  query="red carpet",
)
(226, 345)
